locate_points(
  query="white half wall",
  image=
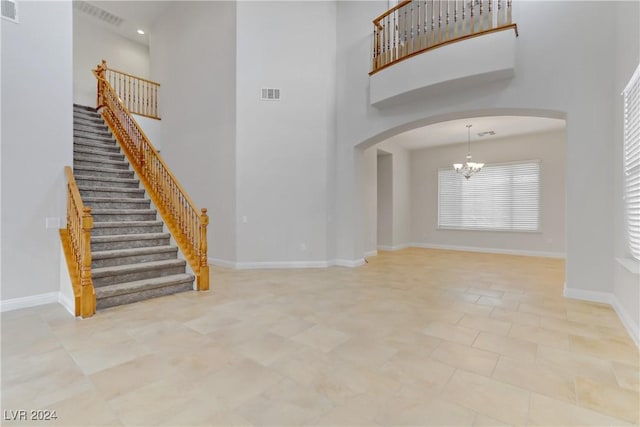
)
(549, 148)
(91, 44)
(193, 56)
(284, 147)
(37, 143)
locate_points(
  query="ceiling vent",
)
(97, 13)
(270, 94)
(488, 133)
(9, 10)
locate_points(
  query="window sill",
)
(630, 264)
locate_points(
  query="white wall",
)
(373, 205)
(193, 56)
(549, 148)
(626, 284)
(568, 82)
(91, 44)
(384, 210)
(37, 141)
(284, 147)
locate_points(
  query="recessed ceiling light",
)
(140, 32)
(488, 133)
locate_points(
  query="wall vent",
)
(270, 94)
(9, 10)
(96, 12)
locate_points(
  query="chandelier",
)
(469, 168)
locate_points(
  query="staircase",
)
(132, 258)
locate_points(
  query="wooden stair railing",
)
(187, 224)
(76, 242)
(416, 26)
(139, 95)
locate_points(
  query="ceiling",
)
(454, 131)
(135, 14)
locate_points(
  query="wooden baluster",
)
(480, 16)
(87, 293)
(203, 276)
(500, 13)
(471, 18)
(508, 12)
(490, 11)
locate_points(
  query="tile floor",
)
(415, 337)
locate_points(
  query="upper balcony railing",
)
(415, 26)
(139, 95)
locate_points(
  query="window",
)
(632, 161)
(500, 197)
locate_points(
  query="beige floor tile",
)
(85, 409)
(434, 412)
(545, 411)
(567, 363)
(470, 359)
(515, 317)
(286, 403)
(628, 376)
(364, 352)
(485, 421)
(540, 336)
(508, 304)
(231, 387)
(606, 348)
(451, 332)
(321, 338)
(536, 378)
(486, 324)
(413, 368)
(489, 397)
(266, 349)
(610, 400)
(399, 338)
(507, 346)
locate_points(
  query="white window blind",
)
(500, 197)
(632, 161)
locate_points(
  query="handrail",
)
(140, 95)
(415, 26)
(77, 247)
(187, 225)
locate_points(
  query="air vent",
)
(270, 94)
(9, 10)
(488, 133)
(97, 13)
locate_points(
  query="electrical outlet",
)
(52, 222)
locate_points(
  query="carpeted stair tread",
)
(115, 270)
(107, 179)
(113, 189)
(131, 252)
(123, 211)
(86, 151)
(92, 136)
(121, 164)
(83, 107)
(128, 287)
(98, 169)
(115, 224)
(125, 237)
(89, 200)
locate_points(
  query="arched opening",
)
(500, 211)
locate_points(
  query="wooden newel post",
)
(203, 276)
(101, 69)
(87, 292)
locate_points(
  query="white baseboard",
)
(393, 248)
(370, 253)
(612, 300)
(68, 304)
(348, 262)
(490, 250)
(222, 263)
(30, 301)
(281, 264)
